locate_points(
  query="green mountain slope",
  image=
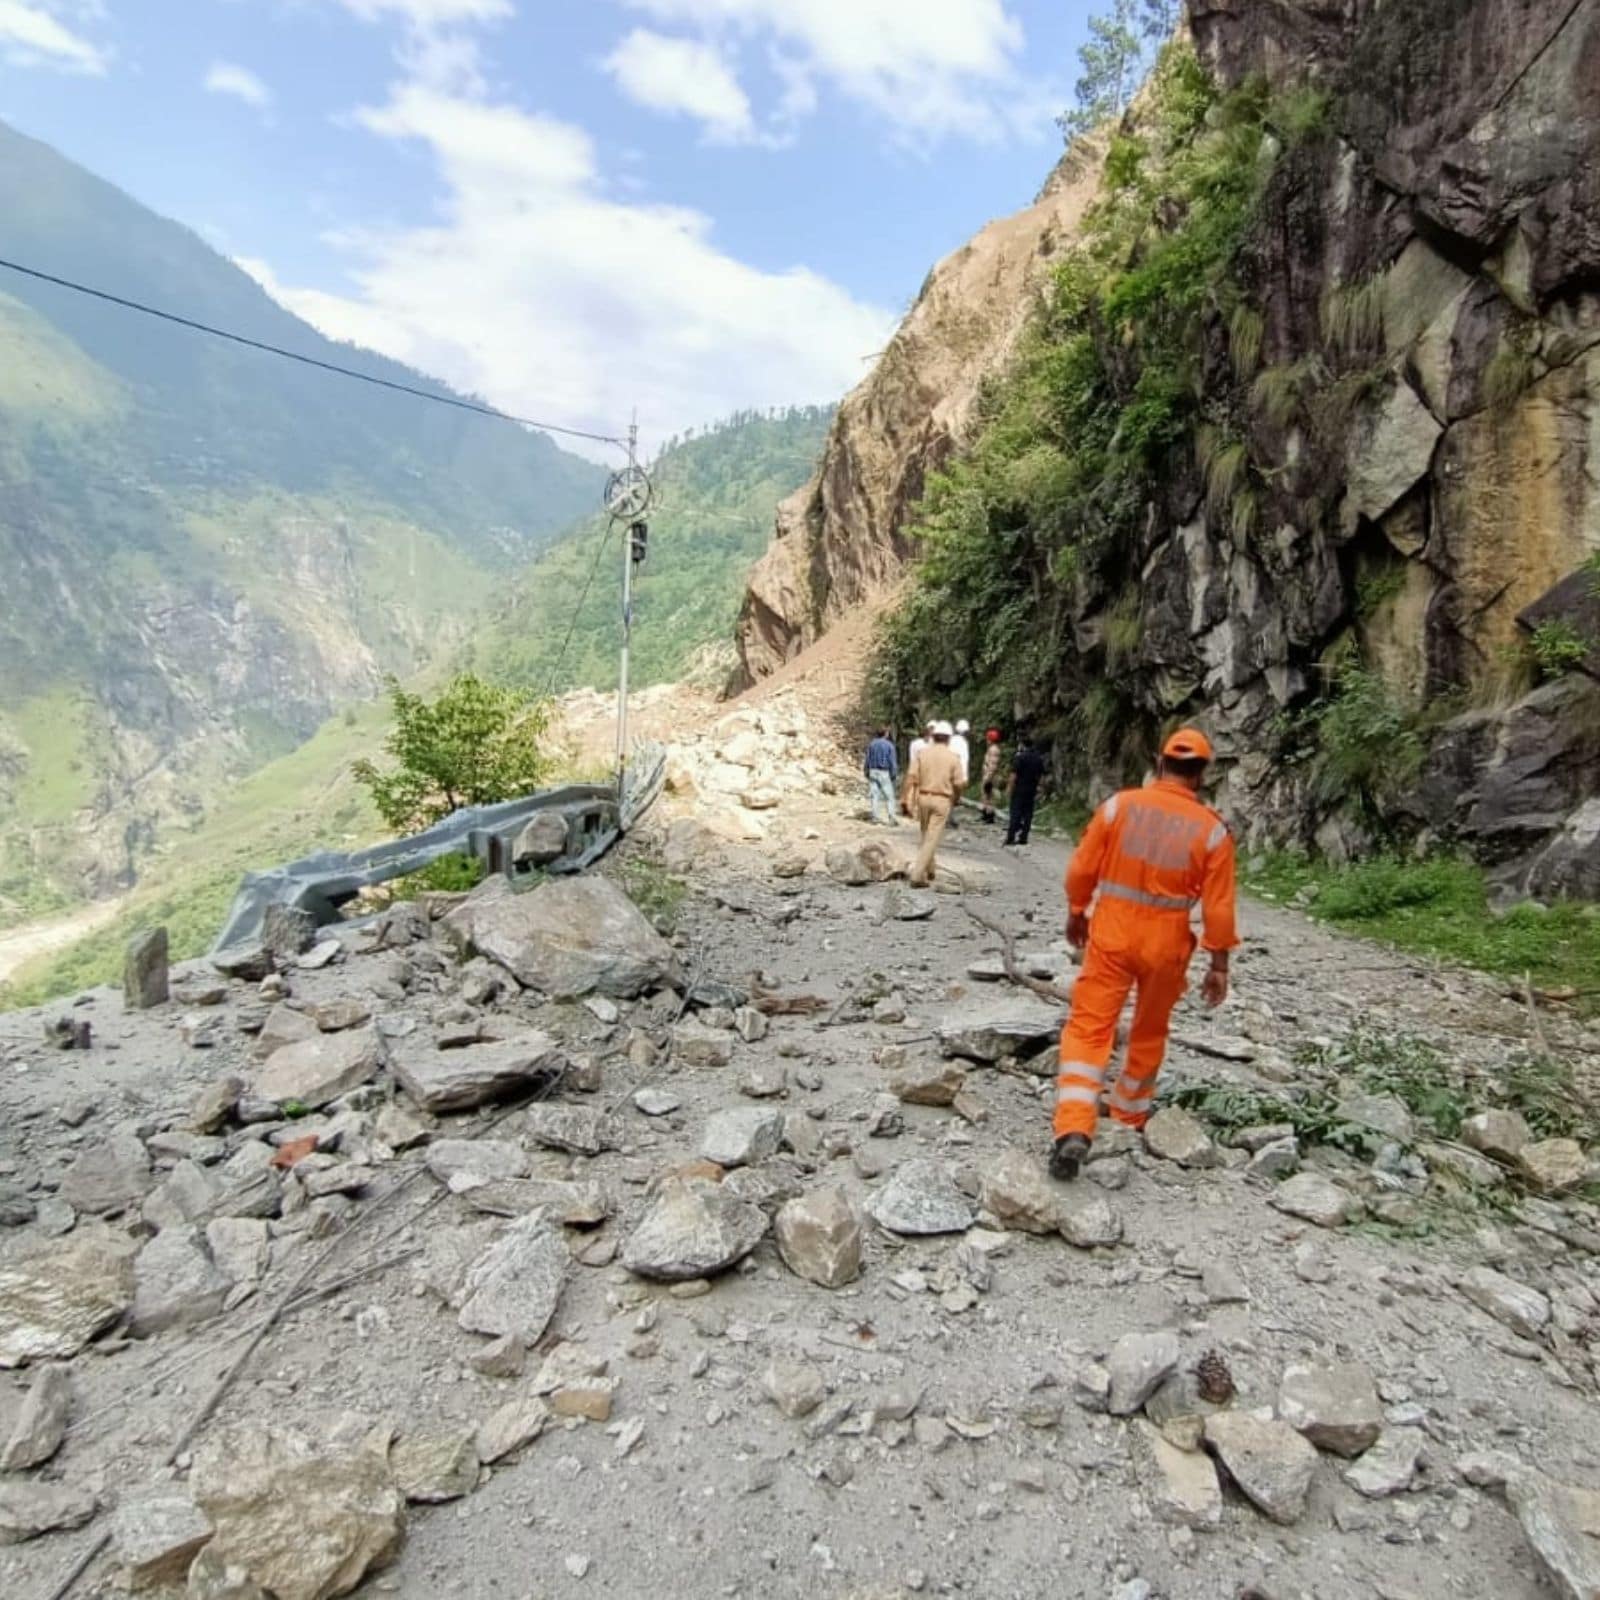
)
(207, 550)
(715, 494)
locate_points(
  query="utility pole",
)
(627, 499)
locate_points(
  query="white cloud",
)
(431, 13)
(224, 77)
(33, 34)
(937, 68)
(540, 290)
(686, 76)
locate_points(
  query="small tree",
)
(475, 745)
(1110, 59)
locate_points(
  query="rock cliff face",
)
(842, 539)
(1435, 256)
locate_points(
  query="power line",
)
(577, 610)
(308, 361)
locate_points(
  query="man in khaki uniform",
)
(935, 782)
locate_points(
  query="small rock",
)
(1554, 1166)
(1276, 1160)
(504, 1357)
(1138, 1364)
(56, 1296)
(751, 1025)
(156, 1537)
(654, 1102)
(483, 1160)
(29, 1508)
(819, 1237)
(42, 1422)
(795, 1387)
(1501, 1135)
(1559, 1523)
(432, 1465)
(901, 904)
(742, 1137)
(144, 970)
(215, 1106)
(587, 1398)
(1089, 1224)
(1525, 1311)
(1382, 1113)
(1173, 1134)
(693, 1230)
(315, 1071)
(1181, 1485)
(108, 1177)
(1313, 1198)
(928, 1083)
(577, 1129)
(1223, 1283)
(176, 1282)
(698, 1046)
(764, 1083)
(921, 1197)
(1015, 1191)
(340, 1014)
(478, 1074)
(1389, 1467)
(1334, 1404)
(515, 1285)
(1272, 1465)
(514, 1426)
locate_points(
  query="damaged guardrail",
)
(554, 831)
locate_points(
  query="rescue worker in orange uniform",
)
(1152, 854)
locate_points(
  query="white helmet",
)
(943, 730)
(963, 726)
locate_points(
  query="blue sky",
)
(571, 206)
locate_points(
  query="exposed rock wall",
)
(1434, 256)
(842, 539)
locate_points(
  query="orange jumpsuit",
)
(1153, 854)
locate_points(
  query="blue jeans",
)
(880, 790)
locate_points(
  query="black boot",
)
(1069, 1154)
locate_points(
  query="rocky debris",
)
(212, 1578)
(1272, 1465)
(1525, 1311)
(588, 1399)
(1554, 1166)
(742, 1137)
(1334, 1404)
(1389, 1467)
(1276, 1160)
(1562, 1527)
(578, 1130)
(573, 1205)
(56, 1296)
(698, 1046)
(155, 1539)
(901, 904)
(819, 1237)
(305, 1519)
(476, 1160)
(1014, 1190)
(29, 1508)
(1174, 1135)
(542, 840)
(928, 1083)
(1138, 1365)
(1315, 1199)
(568, 938)
(214, 1107)
(1381, 1113)
(921, 1197)
(765, 1083)
(692, 1230)
(287, 932)
(240, 1246)
(987, 1031)
(176, 1282)
(515, 1285)
(341, 1014)
(42, 1422)
(872, 861)
(432, 1465)
(1089, 1224)
(513, 1427)
(796, 1388)
(504, 1357)
(654, 1102)
(144, 971)
(751, 1025)
(311, 1072)
(457, 1080)
(188, 1195)
(1501, 1135)
(284, 1024)
(108, 1177)
(1180, 1485)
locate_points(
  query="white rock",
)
(1138, 1365)
(515, 1285)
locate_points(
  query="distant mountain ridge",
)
(207, 550)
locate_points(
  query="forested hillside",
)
(206, 549)
(714, 497)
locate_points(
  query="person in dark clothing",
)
(1027, 770)
(883, 775)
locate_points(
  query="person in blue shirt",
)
(883, 775)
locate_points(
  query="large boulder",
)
(314, 1071)
(542, 840)
(457, 1080)
(568, 938)
(305, 1519)
(57, 1296)
(692, 1230)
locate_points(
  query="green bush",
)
(452, 874)
(1558, 647)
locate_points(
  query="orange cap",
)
(1188, 744)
